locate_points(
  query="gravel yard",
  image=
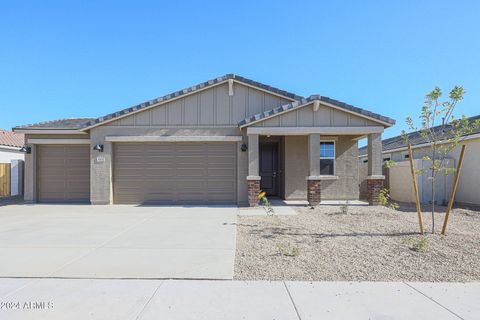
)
(366, 244)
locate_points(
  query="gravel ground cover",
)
(365, 244)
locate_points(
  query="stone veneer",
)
(373, 190)
(314, 192)
(253, 192)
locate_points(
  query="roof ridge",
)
(315, 97)
(193, 88)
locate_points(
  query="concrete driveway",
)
(81, 241)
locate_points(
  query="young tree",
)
(442, 132)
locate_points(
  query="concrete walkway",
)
(211, 300)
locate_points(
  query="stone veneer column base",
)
(253, 190)
(373, 190)
(314, 193)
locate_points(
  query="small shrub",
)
(389, 163)
(266, 204)
(386, 201)
(288, 250)
(419, 245)
(344, 208)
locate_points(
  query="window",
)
(386, 159)
(327, 158)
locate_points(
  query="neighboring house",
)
(10, 145)
(10, 153)
(218, 142)
(469, 184)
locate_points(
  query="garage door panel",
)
(219, 172)
(63, 173)
(52, 173)
(189, 174)
(129, 172)
(77, 196)
(159, 172)
(51, 163)
(175, 173)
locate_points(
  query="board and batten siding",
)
(208, 108)
(324, 117)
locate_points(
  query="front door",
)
(269, 168)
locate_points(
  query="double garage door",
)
(174, 173)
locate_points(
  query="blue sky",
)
(88, 58)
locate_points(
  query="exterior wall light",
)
(244, 147)
(98, 147)
(26, 149)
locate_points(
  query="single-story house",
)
(218, 142)
(10, 145)
(469, 183)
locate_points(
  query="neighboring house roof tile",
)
(66, 124)
(415, 138)
(11, 139)
(300, 103)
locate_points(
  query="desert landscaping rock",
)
(367, 244)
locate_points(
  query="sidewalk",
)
(210, 300)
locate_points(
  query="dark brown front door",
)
(269, 168)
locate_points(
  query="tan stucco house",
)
(218, 142)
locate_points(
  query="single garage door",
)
(63, 173)
(174, 173)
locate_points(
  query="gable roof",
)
(189, 90)
(61, 124)
(11, 139)
(87, 123)
(325, 100)
(415, 138)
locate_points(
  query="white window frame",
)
(330, 158)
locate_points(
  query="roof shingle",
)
(72, 123)
(81, 123)
(415, 138)
(302, 102)
(194, 88)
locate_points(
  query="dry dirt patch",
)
(366, 244)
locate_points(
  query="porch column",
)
(313, 179)
(375, 177)
(253, 178)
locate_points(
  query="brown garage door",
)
(180, 173)
(63, 173)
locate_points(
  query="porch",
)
(316, 165)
